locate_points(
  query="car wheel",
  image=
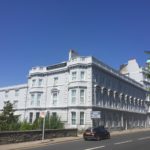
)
(98, 138)
(108, 136)
(85, 139)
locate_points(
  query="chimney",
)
(72, 54)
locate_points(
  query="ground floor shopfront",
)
(120, 120)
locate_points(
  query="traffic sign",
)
(95, 114)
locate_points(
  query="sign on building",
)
(95, 114)
(42, 114)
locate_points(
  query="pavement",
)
(34, 144)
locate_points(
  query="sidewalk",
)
(33, 144)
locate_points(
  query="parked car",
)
(96, 133)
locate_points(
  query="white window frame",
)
(33, 83)
(40, 82)
(54, 99)
(82, 75)
(39, 95)
(55, 80)
(6, 94)
(73, 96)
(82, 114)
(82, 97)
(17, 92)
(74, 76)
(73, 118)
(32, 99)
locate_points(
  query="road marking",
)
(144, 138)
(94, 148)
(123, 142)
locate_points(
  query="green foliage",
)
(25, 126)
(8, 121)
(55, 123)
(37, 124)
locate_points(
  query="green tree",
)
(55, 123)
(8, 121)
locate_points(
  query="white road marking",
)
(94, 148)
(144, 138)
(123, 142)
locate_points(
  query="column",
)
(122, 120)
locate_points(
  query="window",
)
(73, 118)
(74, 76)
(15, 104)
(16, 93)
(30, 117)
(81, 96)
(54, 114)
(33, 82)
(37, 115)
(40, 82)
(82, 75)
(81, 118)
(32, 99)
(55, 80)
(55, 95)
(6, 94)
(73, 96)
(38, 99)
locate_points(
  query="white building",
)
(16, 95)
(137, 73)
(74, 89)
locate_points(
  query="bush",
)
(25, 126)
(55, 123)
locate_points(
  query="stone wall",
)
(24, 136)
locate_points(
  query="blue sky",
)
(41, 32)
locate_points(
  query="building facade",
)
(75, 89)
(137, 73)
(141, 75)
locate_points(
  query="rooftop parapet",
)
(37, 70)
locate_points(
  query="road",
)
(138, 141)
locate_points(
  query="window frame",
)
(73, 96)
(82, 119)
(82, 96)
(74, 76)
(82, 77)
(73, 118)
(54, 100)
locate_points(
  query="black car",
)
(96, 133)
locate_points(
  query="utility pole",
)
(43, 115)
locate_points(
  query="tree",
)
(55, 123)
(8, 121)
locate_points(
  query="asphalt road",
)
(138, 141)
